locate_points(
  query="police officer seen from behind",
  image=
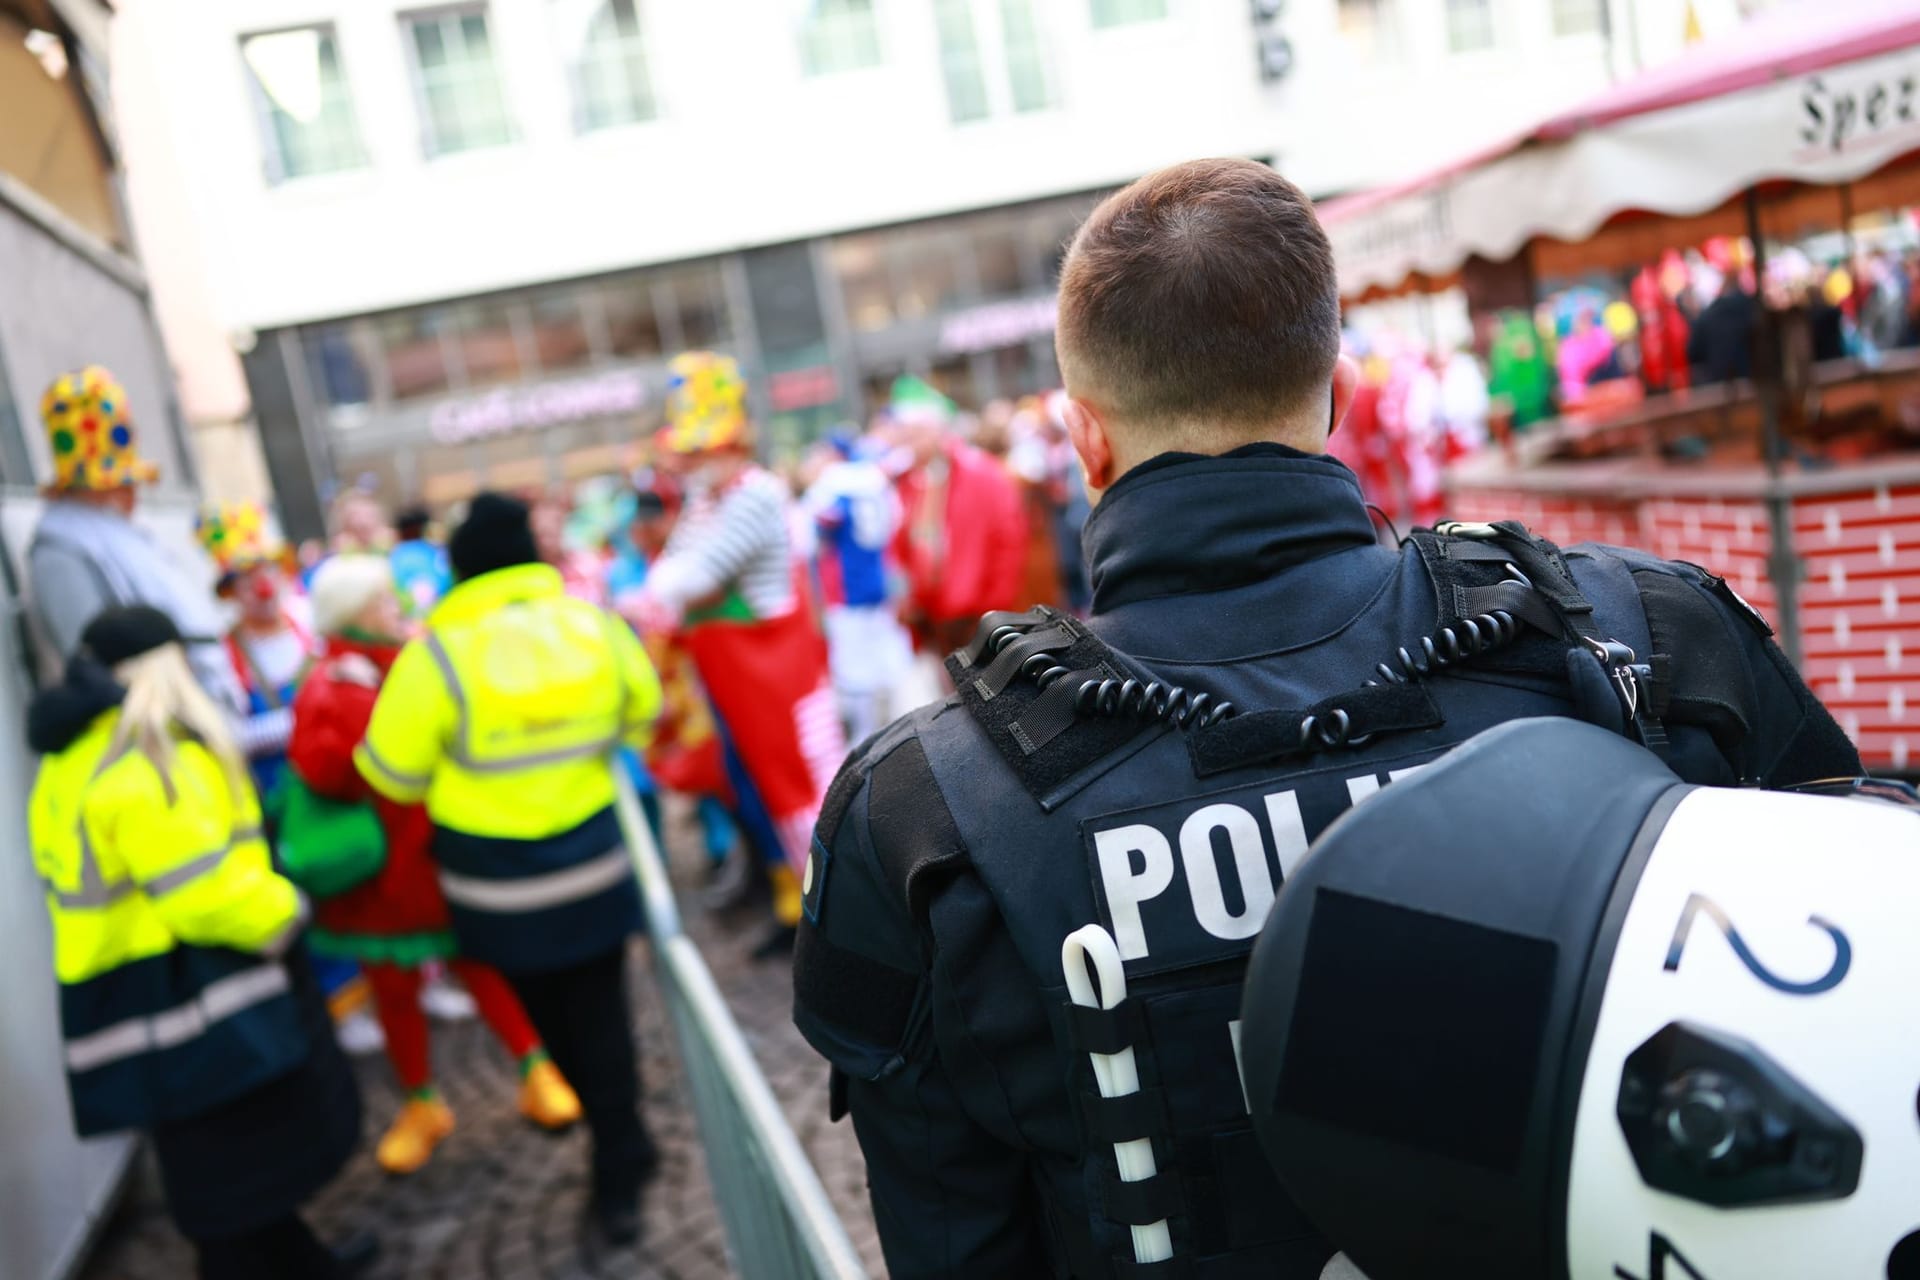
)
(1029, 907)
(506, 717)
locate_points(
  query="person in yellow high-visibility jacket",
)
(505, 718)
(185, 1013)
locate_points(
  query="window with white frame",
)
(302, 103)
(994, 58)
(457, 84)
(838, 35)
(960, 62)
(1118, 13)
(606, 60)
(1579, 17)
(1028, 80)
(1469, 25)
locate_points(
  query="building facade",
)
(72, 293)
(454, 244)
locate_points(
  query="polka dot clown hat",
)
(91, 434)
(706, 404)
(235, 535)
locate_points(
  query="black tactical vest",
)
(1079, 786)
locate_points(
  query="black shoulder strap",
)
(1613, 686)
(1019, 679)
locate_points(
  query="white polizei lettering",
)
(1203, 872)
(1395, 775)
(1289, 830)
(1126, 888)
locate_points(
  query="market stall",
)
(1801, 485)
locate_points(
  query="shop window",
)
(960, 61)
(1578, 17)
(456, 83)
(412, 348)
(701, 297)
(838, 35)
(337, 364)
(446, 474)
(559, 331)
(1469, 25)
(606, 58)
(1367, 27)
(997, 262)
(633, 324)
(1054, 228)
(383, 474)
(302, 102)
(515, 463)
(1118, 13)
(489, 348)
(860, 263)
(923, 271)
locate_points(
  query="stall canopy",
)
(1813, 94)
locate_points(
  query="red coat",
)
(330, 715)
(967, 556)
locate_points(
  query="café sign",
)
(998, 324)
(550, 404)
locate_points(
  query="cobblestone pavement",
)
(502, 1201)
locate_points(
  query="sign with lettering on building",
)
(998, 324)
(550, 404)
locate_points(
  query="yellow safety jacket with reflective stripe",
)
(167, 914)
(135, 863)
(506, 716)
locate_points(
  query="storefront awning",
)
(1818, 92)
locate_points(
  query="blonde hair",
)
(164, 701)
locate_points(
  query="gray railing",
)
(779, 1222)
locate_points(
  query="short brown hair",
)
(1204, 293)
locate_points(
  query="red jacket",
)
(330, 715)
(967, 556)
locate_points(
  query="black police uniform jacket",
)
(951, 862)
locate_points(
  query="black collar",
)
(1187, 523)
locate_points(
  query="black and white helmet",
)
(1545, 1012)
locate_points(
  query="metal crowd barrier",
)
(780, 1224)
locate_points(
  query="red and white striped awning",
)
(1818, 92)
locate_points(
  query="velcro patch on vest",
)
(1189, 882)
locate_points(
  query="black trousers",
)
(583, 1016)
(287, 1248)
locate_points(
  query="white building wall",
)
(748, 150)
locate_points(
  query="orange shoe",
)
(408, 1143)
(547, 1099)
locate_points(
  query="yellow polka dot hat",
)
(91, 433)
(706, 404)
(235, 535)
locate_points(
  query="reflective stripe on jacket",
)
(167, 914)
(505, 719)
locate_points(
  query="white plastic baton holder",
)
(1089, 953)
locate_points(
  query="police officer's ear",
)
(1346, 383)
(1088, 431)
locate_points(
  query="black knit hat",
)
(496, 534)
(413, 521)
(127, 631)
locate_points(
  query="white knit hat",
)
(343, 586)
